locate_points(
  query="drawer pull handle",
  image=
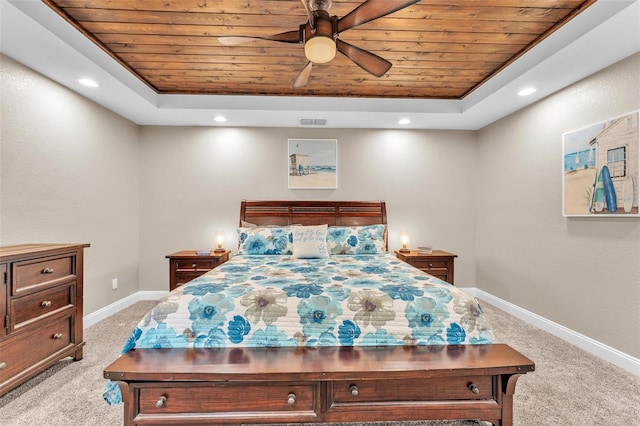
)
(161, 402)
(354, 390)
(47, 271)
(431, 265)
(3, 365)
(194, 266)
(57, 336)
(473, 388)
(291, 399)
(46, 304)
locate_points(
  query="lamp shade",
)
(219, 240)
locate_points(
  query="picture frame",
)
(312, 164)
(600, 169)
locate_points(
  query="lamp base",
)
(404, 250)
(218, 250)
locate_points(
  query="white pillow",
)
(310, 242)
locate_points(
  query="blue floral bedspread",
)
(274, 301)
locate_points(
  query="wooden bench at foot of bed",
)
(326, 384)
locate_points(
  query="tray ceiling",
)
(438, 49)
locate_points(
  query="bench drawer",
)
(189, 397)
(437, 389)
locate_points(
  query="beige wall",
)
(69, 173)
(73, 171)
(583, 273)
(193, 179)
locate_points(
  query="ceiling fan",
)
(320, 35)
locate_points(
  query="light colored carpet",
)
(570, 387)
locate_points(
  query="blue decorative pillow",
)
(310, 242)
(261, 240)
(356, 239)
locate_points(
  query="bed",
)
(314, 321)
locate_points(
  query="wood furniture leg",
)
(129, 412)
(508, 389)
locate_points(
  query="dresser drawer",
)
(41, 309)
(28, 349)
(436, 389)
(29, 275)
(32, 307)
(262, 400)
(3, 301)
(195, 264)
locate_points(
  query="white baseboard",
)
(601, 350)
(92, 318)
(590, 345)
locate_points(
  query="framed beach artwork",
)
(600, 169)
(313, 163)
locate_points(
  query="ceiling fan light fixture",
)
(320, 49)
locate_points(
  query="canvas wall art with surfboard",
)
(600, 168)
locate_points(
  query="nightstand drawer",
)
(181, 278)
(195, 264)
(439, 263)
(187, 264)
(430, 263)
(32, 274)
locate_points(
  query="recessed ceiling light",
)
(88, 82)
(404, 121)
(219, 119)
(527, 91)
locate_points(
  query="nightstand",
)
(439, 263)
(186, 265)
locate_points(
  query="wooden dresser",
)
(439, 263)
(40, 309)
(187, 264)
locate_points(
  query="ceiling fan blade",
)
(370, 10)
(293, 36)
(366, 60)
(303, 76)
(312, 22)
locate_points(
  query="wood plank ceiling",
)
(439, 49)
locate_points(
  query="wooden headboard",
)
(333, 213)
